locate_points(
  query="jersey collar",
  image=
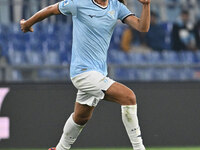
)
(103, 7)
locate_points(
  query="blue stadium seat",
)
(170, 57)
(3, 33)
(37, 37)
(65, 46)
(125, 74)
(65, 35)
(187, 57)
(154, 74)
(167, 74)
(18, 45)
(14, 28)
(15, 34)
(48, 74)
(65, 57)
(111, 59)
(4, 48)
(17, 75)
(34, 57)
(37, 27)
(153, 57)
(51, 58)
(51, 45)
(49, 28)
(174, 74)
(197, 56)
(35, 46)
(45, 32)
(34, 53)
(186, 74)
(117, 57)
(3, 28)
(136, 58)
(144, 74)
(4, 39)
(160, 74)
(117, 34)
(64, 31)
(64, 74)
(16, 57)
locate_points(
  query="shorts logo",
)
(66, 2)
(106, 80)
(94, 103)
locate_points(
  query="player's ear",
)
(123, 1)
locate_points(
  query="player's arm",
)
(141, 24)
(26, 25)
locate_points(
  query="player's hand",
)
(144, 1)
(24, 27)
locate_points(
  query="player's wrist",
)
(28, 24)
(145, 2)
(146, 5)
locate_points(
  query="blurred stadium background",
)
(162, 66)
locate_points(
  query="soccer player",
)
(93, 25)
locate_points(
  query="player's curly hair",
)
(123, 1)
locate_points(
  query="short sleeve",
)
(67, 7)
(123, 12)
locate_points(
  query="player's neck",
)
(103, 3)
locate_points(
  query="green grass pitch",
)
(166, 148)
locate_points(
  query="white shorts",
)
(91, 86)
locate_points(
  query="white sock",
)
(130, 120)
(70, 133)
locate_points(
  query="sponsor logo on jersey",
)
(91, 16)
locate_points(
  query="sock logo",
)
(4, 121)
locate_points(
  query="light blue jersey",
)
(93, 27)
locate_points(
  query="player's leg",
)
(87, 98)
(121, 94)
(74, 125)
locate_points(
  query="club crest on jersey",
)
(66, 2)
(112, 13)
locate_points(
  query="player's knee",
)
(82, 119)
(131, 98)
